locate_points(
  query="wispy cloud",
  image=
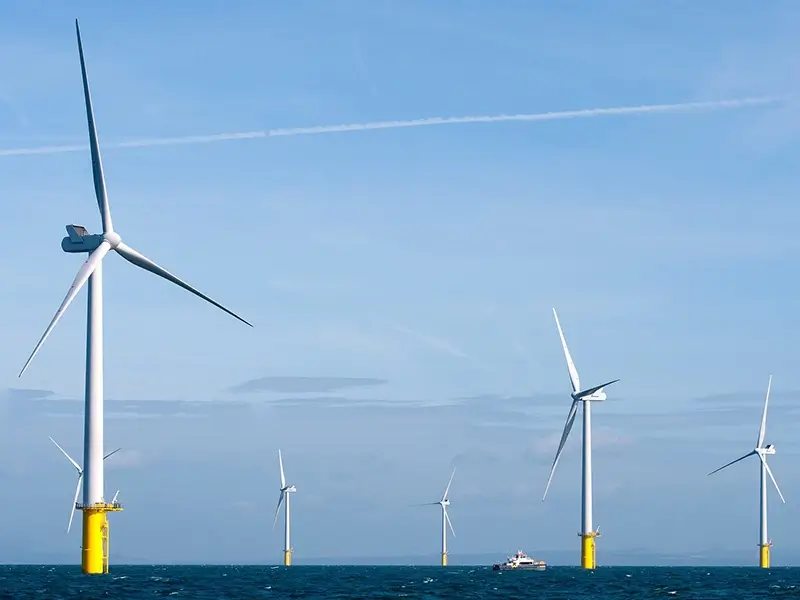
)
(435, 342)
(747, 399)
(430, 340)
(341, 402)
(128, 409)
(352, 127)
(22, 394)
(303, 385)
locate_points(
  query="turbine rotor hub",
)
(113, 238)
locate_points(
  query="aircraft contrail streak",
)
(546, 116)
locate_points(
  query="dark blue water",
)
(452, 583)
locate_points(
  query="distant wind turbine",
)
(444, 503)
(80, 479)
(284, 499)
(585, 397)
(762, 451)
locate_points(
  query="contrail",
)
(546, 116)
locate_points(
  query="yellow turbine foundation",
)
(94, 550)
(444, 559)
(588, 558)
(764, 556)
(287, 558)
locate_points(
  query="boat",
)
(520, 561)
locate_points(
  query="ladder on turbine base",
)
(104, 537)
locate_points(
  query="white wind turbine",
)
(762, 451)
(444, 503)
(284, 499)
(80, 241)
(585, 397)
(80, 479)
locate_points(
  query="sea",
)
(49, 582)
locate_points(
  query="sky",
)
(400, 280)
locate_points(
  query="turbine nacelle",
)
(289, 489)
(445, 502)
(592, 394)
(80, 241)
(597, 396)
(768, 449)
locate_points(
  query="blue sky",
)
(424, 258)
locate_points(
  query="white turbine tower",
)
(585, 397)
(444, 503)
(284, 498)
(94, 557)
(762, 451)
(80, 479)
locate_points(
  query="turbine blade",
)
(573, 372)
(597, 388)
(69, 458)
(734, 462)
(427, 504)
(447, 489)
(278, 508)
(97, 165)
(80, 279)
(111, 453)
(771, 476)
(145, 263)
(447, 518)
(573, 410)
(763, 430)
(283, 476)
(74, 501)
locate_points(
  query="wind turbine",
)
(585, 397)
(284, 498)
(94, 556)
(80, 479)
(762, 451)
(444, 503)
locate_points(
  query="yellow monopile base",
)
(764, 557)
(287, 558)
(588, 559)
(444, 559)
(94, 555)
